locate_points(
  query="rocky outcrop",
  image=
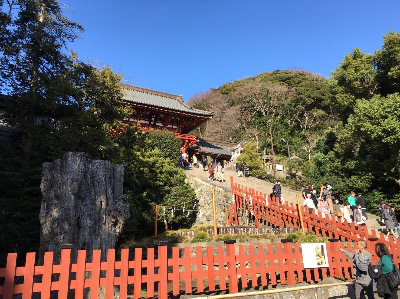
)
(82, 204)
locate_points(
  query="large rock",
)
(83, 204)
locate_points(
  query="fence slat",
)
(28, 275)
(137, 274)
(150, 277)
(174, 262)
(242, 271)
(199, 269)
(186, 276)
(123, 288)
(163, 269)
(110, 274)
(46, 276)
(80, 274)
(289, 264)
(64, 272)
(253, 266)
(210, 268)
(8, 288)
(95, 275)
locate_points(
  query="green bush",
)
(166, 142)
(201, 237)
(251, 157)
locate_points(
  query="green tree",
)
(387, 61)
(355, 78)
(151, 179)
(251, 157)
(168, 144)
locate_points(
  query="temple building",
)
(154, 110)
(219, 150)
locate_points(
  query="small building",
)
(268, 167)
(221, 151)
(155, 110)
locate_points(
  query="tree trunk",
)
(272, 149)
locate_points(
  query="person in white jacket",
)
(347, 212)
(309, 203)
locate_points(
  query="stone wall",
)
(331, 292)
(203, 191)
(240, 230)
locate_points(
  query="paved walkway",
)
(265, 187)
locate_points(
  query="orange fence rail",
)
(165, 271)
(264, 208)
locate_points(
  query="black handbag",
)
(393, 278)
(375, 271)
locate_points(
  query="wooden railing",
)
(263, 208)
(164, 271)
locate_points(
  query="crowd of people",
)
(326, 201)
(214, 166)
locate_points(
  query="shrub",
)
(201, 237)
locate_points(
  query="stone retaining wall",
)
(342, 291)
(230, 230)
(203, 191)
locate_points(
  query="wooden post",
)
(155, 222)
(214, 213)
(300, 214)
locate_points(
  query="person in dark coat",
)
(245, 170)
(379, 272)
(390, 226)
(361, 202)
(277, 189)
(395, 222)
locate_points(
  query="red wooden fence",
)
(167, 271)
(287, 215)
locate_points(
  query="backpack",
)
(393, 278)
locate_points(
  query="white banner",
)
(315, 255)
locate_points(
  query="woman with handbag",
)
(385, 273)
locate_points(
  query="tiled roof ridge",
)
(221, 143)
(153, 92)
(163, 94)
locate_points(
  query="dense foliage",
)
(54, 103)
(343, 131)
(153, 179)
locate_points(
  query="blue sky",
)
(185, 46)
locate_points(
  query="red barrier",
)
(171, 271)
(287, 215)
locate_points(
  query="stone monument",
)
(83, 205)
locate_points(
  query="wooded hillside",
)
(344, 130)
